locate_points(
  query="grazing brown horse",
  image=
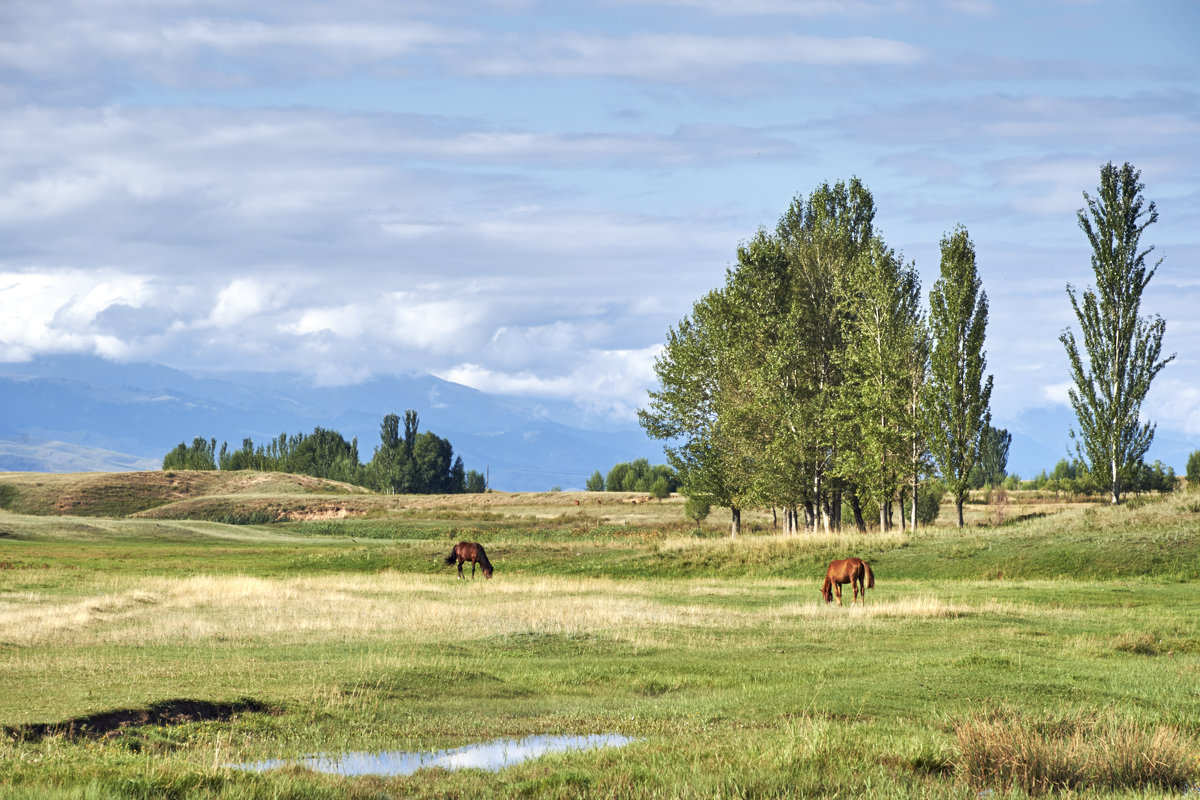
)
(473, 552)
(853, 571)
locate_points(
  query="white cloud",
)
(684, 57)
(1057, 393)
(243, 298)
(54, 311)
(610, 381)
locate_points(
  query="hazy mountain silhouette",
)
(140, 411)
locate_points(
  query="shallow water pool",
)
(494, 756)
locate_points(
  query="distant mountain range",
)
(80, 413)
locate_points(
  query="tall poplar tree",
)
(1122, 349)
(957, 398)
(881, 314)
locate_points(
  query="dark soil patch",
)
(106, 723)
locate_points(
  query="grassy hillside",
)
(118, 494)
(1059, 649)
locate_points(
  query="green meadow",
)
(147, 645)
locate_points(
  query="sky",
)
(524, 197)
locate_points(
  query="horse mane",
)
(483, 559)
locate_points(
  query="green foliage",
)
(596, 482)
(476, 482)
(636, 476)
(412, 463)
(799, 382)
(1156, 477)
(697, 508)
(929, 502)
(1193, 470)
(1121, 349)
(661, 488)
(201, 455)
(957, 398)
(993, 458)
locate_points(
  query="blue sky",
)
(524, 196)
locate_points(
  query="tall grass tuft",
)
(1006, 751)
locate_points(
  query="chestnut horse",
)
(473, 552)
(848, 570)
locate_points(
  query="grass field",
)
(143, 651)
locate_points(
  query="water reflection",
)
(492, 756)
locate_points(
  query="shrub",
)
(660, 489)
(1193, 470)
(697, 509)
(929, 502)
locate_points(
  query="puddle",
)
(492, 756)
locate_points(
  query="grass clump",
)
(1009, 751)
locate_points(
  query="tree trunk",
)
(810, 516)
(735, 525)
(958, 506)
(856, 507)
(914, 503)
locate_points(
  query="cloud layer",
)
(525, 196)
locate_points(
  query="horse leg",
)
(460, 563)
(472, 570)
(837, 589)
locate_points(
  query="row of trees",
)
(1073, 477)
(636, 476)
(813, 378)
(405, 461)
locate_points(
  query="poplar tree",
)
(957, 398)
(881, 314)
(701, 379)
(1121, 348)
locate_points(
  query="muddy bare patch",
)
(108, 723)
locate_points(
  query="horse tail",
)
(450, 559)
(870, 576)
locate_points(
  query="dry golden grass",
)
(1007, 751)
(761, 547)
(415, 608)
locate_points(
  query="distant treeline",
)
(636, 476)
(1072, 476)
(405, 462)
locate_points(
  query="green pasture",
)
(142, 657)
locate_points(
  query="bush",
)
(1193, 470)
(929, 502)
(697, 509)
(660, 489)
